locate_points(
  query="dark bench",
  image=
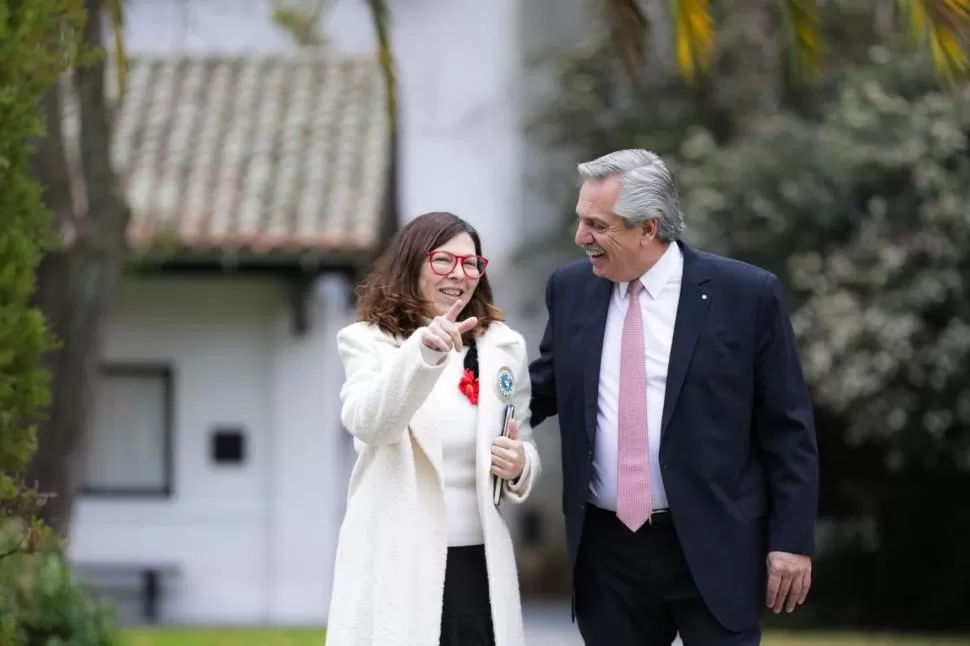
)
(146, 577)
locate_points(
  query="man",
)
(690, 467)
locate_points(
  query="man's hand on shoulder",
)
(789, 578)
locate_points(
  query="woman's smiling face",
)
(451, 271)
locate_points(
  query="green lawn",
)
(857, 639)
(272, 637)
(224, 637)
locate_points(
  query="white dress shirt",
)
(658, 303)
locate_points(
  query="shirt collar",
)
(671, 262)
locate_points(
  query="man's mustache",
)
(593, 248)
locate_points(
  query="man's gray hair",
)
(647, 189)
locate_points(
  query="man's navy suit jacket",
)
(738, 452)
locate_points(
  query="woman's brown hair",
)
(389, 296)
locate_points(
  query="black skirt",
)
(466, 616)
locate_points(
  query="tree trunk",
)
(76, 283)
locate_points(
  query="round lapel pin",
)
(505, 382)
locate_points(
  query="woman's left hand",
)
(508, 454)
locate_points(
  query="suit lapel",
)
(597, 305)
(691, 312)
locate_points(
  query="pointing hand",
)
(443, 333)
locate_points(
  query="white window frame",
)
(164, 375)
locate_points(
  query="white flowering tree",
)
(864, 215)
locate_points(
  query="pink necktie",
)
(633, 503)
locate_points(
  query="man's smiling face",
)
(615, 250)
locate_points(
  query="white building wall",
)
(254, 542)
(311, 457)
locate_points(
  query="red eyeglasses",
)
(443, 263)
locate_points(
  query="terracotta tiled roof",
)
(254, 154)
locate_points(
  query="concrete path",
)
(548, 624)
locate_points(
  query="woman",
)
(424, 558)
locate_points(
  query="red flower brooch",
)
(469, 386)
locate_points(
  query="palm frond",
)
(943, 26)
(693, 36)
(382, 28)
(628, 28)
(806, 46)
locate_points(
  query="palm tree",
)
(941, 25)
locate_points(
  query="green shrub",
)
(46, 605)
(40, 603)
